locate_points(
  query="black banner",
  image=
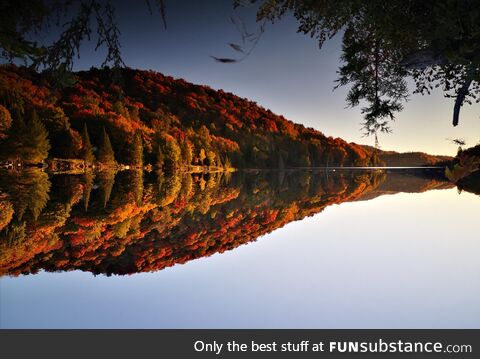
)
(240, 343)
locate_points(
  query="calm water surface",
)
(344, 249)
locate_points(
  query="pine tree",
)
(30, 191)
(106, 182)
(105, 152)
(88, 155)
(33, 144)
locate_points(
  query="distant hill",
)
(406, 159)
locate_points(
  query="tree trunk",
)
(459, 101)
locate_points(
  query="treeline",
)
(151, 119)
(408, 159)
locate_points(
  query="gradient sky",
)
(286, 73)
(389, 267)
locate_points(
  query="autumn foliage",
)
(131, 221)
(209, 127)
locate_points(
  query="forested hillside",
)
(146, 117)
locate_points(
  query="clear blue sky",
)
(286, 73)
(402, 271)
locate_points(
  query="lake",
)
(322, 248)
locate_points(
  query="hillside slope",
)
(179, 123)
(148, 118)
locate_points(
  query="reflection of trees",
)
(15, 233)
(168, 187)
(89, 178)
(28, 190)
(6, 211)
(128, 188)
(186, 189)
(155, 220)
(106, 181)
(137, 185)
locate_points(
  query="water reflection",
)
(130, 221)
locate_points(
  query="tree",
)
(374, 75)
(202, 156)
(29, 190)
(436, 42)
(21, 23)
(88, 155)
(172, 153)
(106, 180)
(136, 156)
(5, 122)
(211, 158)
(186, 150)
(87, 188)
(106, 155)
(30, 140)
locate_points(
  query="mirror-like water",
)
(326, 249)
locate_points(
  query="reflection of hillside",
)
(407, 182)
(128, 222)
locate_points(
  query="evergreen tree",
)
(105, 152)
(29, 191)
(106, 182)
(87, 189)
(88, 155)
(38, 191)
(136, 185)
(172, 153)
(32, 144)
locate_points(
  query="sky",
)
(402, 270)
(286, 73)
